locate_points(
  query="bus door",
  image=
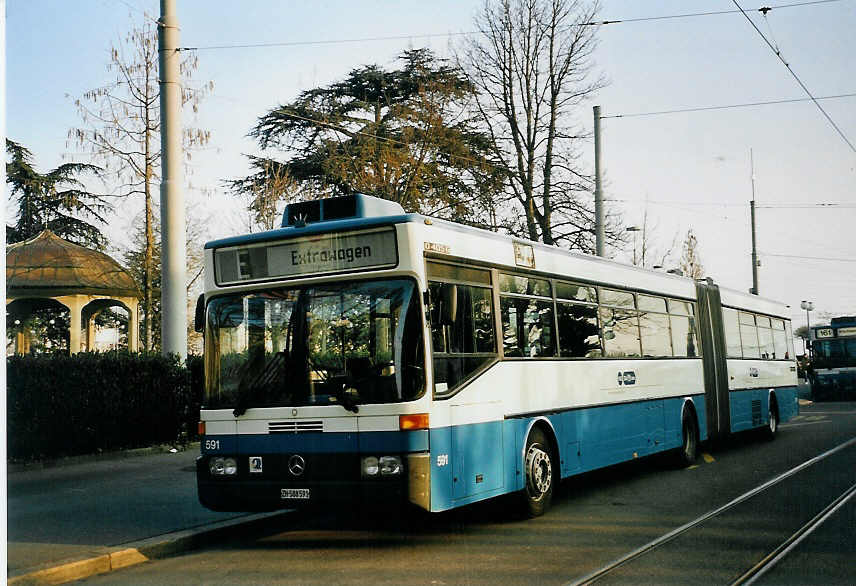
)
(712, 337)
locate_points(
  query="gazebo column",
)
(22, 342)
(75, 308)
(90, 331)
(133, 325)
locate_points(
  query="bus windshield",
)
(834, 353)
(346, 343)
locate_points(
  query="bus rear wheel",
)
(688, 452)
(538, 463)
(772, 420)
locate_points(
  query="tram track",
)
(774, 557)
(768, 561)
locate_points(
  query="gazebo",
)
(85, 281)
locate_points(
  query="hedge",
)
(60, 405)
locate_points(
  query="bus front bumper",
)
(243, 494)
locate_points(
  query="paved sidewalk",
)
(78, 519)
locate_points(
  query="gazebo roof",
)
(47, 265)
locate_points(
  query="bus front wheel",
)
(538, 463)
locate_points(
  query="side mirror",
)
(448, 303)
(199, 316)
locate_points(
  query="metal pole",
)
(598, 193)
(807, 349)
(755, 290)
(173, 268)
(808, 306)
(754, 252)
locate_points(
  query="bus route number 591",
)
(212, 444)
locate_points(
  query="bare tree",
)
(690, 260)
(121, 129)
(531, 66)
(135, 260)
(265, 197)
(646, 252)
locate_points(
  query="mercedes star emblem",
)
(296, 465)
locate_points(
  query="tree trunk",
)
(150, 244)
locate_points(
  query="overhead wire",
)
(796, 77)
(475, 32)
(823, 258)
(775, 206)
(727, 106)
(709, 13)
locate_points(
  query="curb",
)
(13, 468)
(162, 546)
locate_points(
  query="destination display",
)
(325, 253)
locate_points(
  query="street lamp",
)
(633, 229)
(808, 306)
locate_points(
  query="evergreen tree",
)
(56, 200)
(403, 135)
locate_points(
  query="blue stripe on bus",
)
(317, 443)
(741, 403)
(477, 461)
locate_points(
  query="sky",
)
(688, 170)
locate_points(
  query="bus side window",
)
(464, 344)
(579, 333)
(749, 336)
(732, 333)
(654, 329)
(526, 308)
(527, 327)
(765, 338)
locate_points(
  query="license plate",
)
(294, 493)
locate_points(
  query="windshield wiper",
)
(265, 379)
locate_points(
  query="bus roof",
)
(370, 212)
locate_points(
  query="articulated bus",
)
(361, 353)
(833, 359)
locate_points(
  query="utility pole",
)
(173, 237)
(754, 289)
(598, 193)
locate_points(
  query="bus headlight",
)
(370, 466)
(390, 465)
(223, 466)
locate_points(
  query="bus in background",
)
(833, 359)
(361, 353)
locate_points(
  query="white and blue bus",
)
(359, 352)
(833, 359)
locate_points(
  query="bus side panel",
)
(614, 433)
(477, 458)
(787, 399)
(470, 463)
(673, 410)
(441, 469)
(748, 409)
(570, 449)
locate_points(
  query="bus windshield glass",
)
(346, 343)
(834, 353)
